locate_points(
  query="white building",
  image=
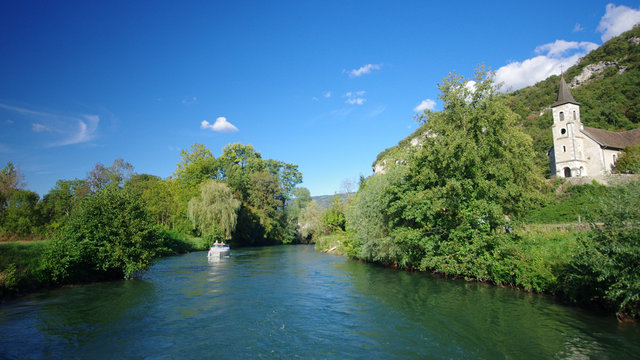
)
(581, 150)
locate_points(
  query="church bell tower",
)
(568, 149)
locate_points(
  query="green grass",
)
(21, 266)
(571, 205)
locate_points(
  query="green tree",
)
(215, 212)
(333, 219)
(11, 179)
(108, 235)
(22, 216)
(629, 160)
(475, 165)
(62, 198)
(116, 175)
(196, 166)
(605, 270)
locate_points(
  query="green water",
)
(291, 302)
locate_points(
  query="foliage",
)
(196, 166)
(109, 234)
(310, 222)
(11, 179)
(333, 219)
(22, 216)
(569, 204)
(629, 160)
(606, 268)
(21, 266)
(115, 175)
(214, 213)
(476, 165)
(368, 220)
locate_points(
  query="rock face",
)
(594, 69)
(635, 40)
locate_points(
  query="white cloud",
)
(616, 20)
(221, 125)
(424, 105)
(578, 28)
(560, 48)
(327, 94)
(355, 97)
(85, 131)
(356, 101)
(471, 85)
(366, 69)
(74, 129)
(554, 57)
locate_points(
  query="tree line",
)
(115, 222)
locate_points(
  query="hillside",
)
(606, 82)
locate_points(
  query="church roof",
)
(564, 95)
(612, 139)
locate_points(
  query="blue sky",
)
(326, 85)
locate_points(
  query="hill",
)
(606, 82)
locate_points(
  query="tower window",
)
(567, 172)
(561, 115)
(564, 148)
(563, 131)
(574, 115)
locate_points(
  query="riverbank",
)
(22, 265)
(539, 259)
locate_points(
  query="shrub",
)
(109, 235)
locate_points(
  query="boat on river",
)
(219, 250)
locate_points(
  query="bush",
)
(109, 235)
(605, 271)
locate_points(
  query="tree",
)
(22, 215)
(629, 160)
(310, 222)
(475, 165)
(110, 234)
(215, 212)
(196, 166)
(10, 180)
(116, 175)
(605, 269)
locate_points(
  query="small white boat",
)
(219, 250)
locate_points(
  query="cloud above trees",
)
(220, 125)
(363, 70)
(424, 105)
(561, 54)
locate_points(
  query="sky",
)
(326, 85)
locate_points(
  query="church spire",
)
(564, 95)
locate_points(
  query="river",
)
(291, 302)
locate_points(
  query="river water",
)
(291, 302)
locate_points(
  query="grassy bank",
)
(533, 261)
(22, 267)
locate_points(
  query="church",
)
(582, 151)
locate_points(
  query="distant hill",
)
(325, 200)
(606, 82)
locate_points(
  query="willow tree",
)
(215, 212)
